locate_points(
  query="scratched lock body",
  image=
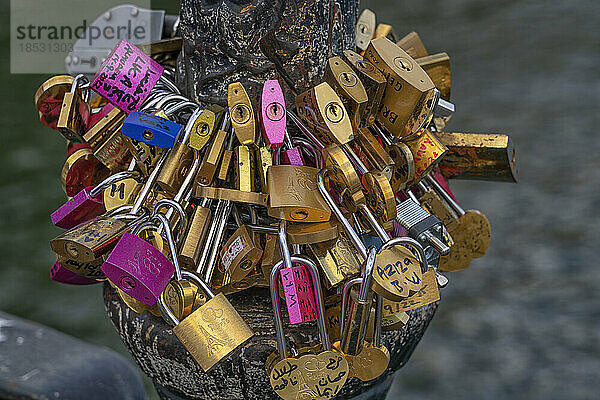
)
(74, 113)
(205, 126)
(109, 146)
(138, 268)
(293, 194)
(175, 169)
(239, 255)
(410, 96)
(88, 241)
(213, 331)
(325, 115)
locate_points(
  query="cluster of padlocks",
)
(338, 203)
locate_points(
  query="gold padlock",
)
(386, 31)
(49, 97)
(265, 160)
(146, 155)
(410, 95)
(213, 331)
(412, 45)
(480, 156)
(349, 87)
(86, 269)
(375, 153)
(372, 80)
(300, 233)
(212, 156)
(343, 177)
(437, 67)
(205, 125)
(226, 159)
(191, 246)
(239, 255)
(293, 194)
(427, 152)
(244, 168)
(176, 168)
(121, 193)
(234, 195)
(87, 242)
(242, 113)
(429, 293)
(365, 28)
(404, 165)
(337, 258)
(74, 113)
(325, 115)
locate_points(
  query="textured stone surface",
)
(241, 376)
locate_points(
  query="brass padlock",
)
(86, 269)
(349, 87)
(205, 125)
(343, 178)
(437, 67)
(176, 168)
(293, 195)
(413, 45)
(226, 158)
(181, 297)
(300, 233)
(111, 122)
(372, 80)
(386, 31)
(410, 96)
(380, 197)
(480, 156)
(48, 98)
(337, 258)
(75, 112)
(365, 28)
(82, 169)
(271, 254)
(87, 242)
(114, 152)
(121, 193)
(375, 153)
(244, 168)
(429, 293)
(241, 113)
(404, 165)
(325, 115)
(240, 255)
(427, 152)
(213, 331)
(265, 160)
(212, 156)
(146, 155)
(191, 245)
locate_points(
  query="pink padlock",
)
(127, 76)
(273, 113)
(299, 295)
(58, 273)
(297, 285)
(140, 269)
(87, 204)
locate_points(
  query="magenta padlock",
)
(58, 273)
(127, 76)
(140, 269)
(87, 204)
(297, 285)
(273, 113)
(299, 295)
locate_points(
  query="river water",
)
(522, 322)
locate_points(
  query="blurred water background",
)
(522, 322)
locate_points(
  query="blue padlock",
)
(151, 129)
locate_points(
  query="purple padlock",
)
(127, 76)
(87, 204)
(58, 273)
(138, 268)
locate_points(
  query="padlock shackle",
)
(181, 105)
(356, 162)
(170, 242)
(305, 130)
(112, 179)
(169, 98)
(383, 235)
(307, 145)
(407, 242)
(275, 301)
(149, 184)
(360, 246)
(442, 192)
(283, 245)
(345, 299)
(172, 204)
(187, 130)
(428, 118)
(166, 313)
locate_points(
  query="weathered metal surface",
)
(242, 376)
(222, 43)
